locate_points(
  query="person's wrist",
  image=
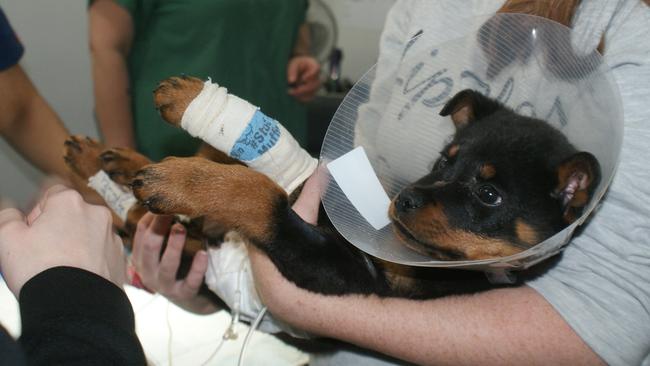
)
(69, 292)
(301, 54)
(269, 282)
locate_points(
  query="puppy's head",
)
(503, 184)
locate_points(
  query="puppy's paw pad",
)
(150, 189)
(121, 164)
(156, 204)
(173, 95)
(110, 155)
(81, 154)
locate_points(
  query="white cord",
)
(149, 302)
(249, 335)
(216, 350)
(169, 339)
(236, 308)
(230, 333)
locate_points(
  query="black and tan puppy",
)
(505, 183)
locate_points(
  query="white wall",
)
(55, 36)
(360, 23)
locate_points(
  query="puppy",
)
(505, 183)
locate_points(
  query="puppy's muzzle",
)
(409, 199)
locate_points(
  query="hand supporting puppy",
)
(62, 230)
(159, 273)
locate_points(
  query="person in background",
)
(257, 49)
(66, 267)
(27, 122)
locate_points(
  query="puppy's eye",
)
(488, 195)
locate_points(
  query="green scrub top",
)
(243, 45)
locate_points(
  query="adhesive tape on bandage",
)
(238, 128)
(117, 197)
(229, 276)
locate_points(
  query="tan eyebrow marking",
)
(453, 150)
(526, 233)
(488, 171)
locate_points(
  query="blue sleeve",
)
(11, 50)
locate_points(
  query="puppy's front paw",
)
(155, 186)
(173, 95)
(122, 164)
(233, 197)
(81, 154)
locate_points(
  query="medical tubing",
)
(249, 335)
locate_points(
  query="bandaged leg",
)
(241, 130)
(230, 276)
(117, 197)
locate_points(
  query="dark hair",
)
(499, 34)
(561, 11)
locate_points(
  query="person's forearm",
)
(39, 136)
(506, 326)
(75, 317)
(29, 123)
(112, 98)
(302, 47)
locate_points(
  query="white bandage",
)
(229, 276)
(117, 197)
(239, 129)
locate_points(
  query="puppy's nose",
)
(408, 200)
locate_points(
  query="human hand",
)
(159, 273)
(303, 77)
(274, 290)
(307, 204)
(61, 230)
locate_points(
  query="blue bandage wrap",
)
(261, 134)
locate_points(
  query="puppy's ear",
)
(468, 106)
(577, 177)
